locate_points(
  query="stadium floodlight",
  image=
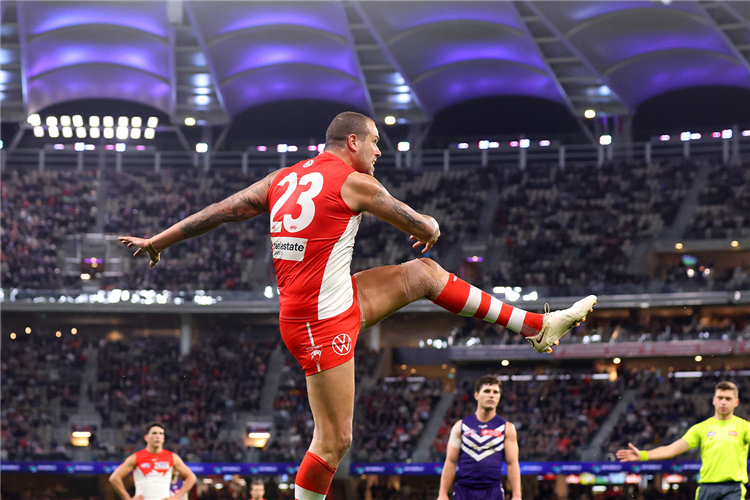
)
(727, 133)
(716, 135)
(93, 121)
(108, 121)
(201, 147)
(605, 140)
(189, 121)
(390, 120)
(404, 146)
(589, 113)
(77, 121)
(122, 132)
(94, 132)
(312, 147)
(402, 98)
(746, 133)
(202, 100)
(292, 149)
(544, 143)
(321, 147)
(282, 148)
(513, 144)
(58, 146)
(122, 121)
(524, 143)
(109, 133)
(148, 133)
(261, 148)
(120, 147)
(152, 122)
(664, 137)
(494, 145)
(79, 146)
(38, 131)
(67, 132)
(34, 120)
(463, 145)
(135, 133)
(484, 144)
(53, 132)
(51, 121)
(695, 136)
(65, 121)
(81, 132)
(136, 122)
(685, 136)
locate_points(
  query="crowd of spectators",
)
(555, 418)
(146, 379)
(391, 417)
(723, 205)
(39, 210)
(571, 231)
(41, 380)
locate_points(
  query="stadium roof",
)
(213, 60)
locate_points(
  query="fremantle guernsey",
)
(482, 454)
(153, 474)
(312, 239)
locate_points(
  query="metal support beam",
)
(183, 140)
(360, 72)
(375, 34)
(554, 78)
(573, 49)
(730, 44)
(222, 137)
(198, 33)
(22, 30)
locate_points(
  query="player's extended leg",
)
(385, 290)
(331, 395)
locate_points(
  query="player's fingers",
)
(138, 252)
(630, 445)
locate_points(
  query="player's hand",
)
(137, 497)
(443, 497)
(632, 454)
(427, 244)
(143, 248)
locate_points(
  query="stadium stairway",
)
(422, 451)
(594, 451)
(101, 203)
(273, 379)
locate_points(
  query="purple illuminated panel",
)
(671, 70)
(277, 83)
(97, 82)
(146, 16)
(249, 50)
(609, 41)
(218, 18)
(433, 47)
(92, 44)
(568, 15)
(390, 18)
(467, 81)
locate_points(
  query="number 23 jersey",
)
(312, 238)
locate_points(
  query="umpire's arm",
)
(511, 459)
(451, 459)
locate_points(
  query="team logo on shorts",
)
(342, 344)
(315, 352)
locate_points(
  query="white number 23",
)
(305, 201)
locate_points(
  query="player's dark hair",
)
(487, 380)
(725, 385)
(258, 482)
(344, 125)
(150, 425)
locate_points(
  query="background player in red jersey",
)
(315, 210)
(152, 470)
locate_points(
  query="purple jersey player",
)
(477, 447)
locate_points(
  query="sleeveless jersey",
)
(153, 474)
(312, 238)
(482, 454)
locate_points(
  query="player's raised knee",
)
(424, 278)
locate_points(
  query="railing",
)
(442, 159)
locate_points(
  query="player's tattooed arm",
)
(364, 193)
(247, 203)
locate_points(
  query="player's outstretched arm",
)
(511, 459)
(117, 476)
(247, 203)
(188, 478)
(363, 193)
(633, 454)
(451, 460)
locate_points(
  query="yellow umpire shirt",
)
(724, 447)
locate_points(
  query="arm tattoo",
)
(399, 208)
(247, 203)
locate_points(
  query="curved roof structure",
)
(411, 59)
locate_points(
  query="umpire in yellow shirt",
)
(724, 441)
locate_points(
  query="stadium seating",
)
(41, 379)
(723, 206)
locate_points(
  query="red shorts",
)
(320, 345)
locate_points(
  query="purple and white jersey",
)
(482, 452)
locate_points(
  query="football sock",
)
(463, 299)
(313, 478)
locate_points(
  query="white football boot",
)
(557, 323)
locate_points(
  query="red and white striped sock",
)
(461, 298)
(313, 478)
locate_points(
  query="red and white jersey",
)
(153, 474)
(312, 236)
